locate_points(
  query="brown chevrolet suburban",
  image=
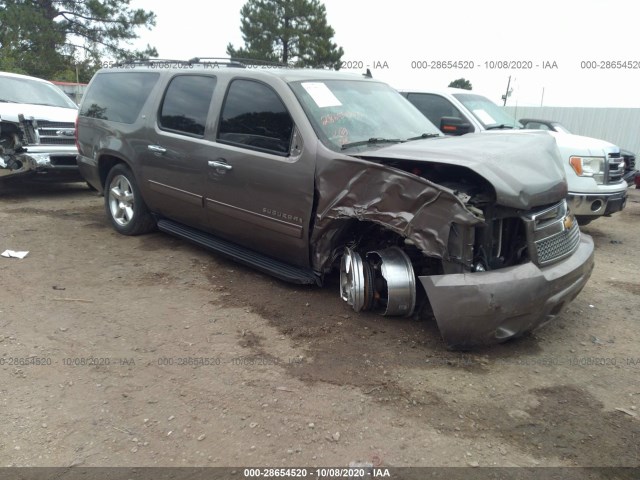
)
(302, 172)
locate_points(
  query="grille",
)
(49, 136)
(558, 245)
(629, 162)
(615, 168)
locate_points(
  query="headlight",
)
(589, 167)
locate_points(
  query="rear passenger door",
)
(260, 179)
(175, 159)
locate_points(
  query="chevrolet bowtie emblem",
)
(568, 222)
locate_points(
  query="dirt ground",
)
(148, 351)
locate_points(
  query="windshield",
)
(354, 113)
(24, 90)
(486, 112)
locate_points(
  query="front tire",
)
(124, 204)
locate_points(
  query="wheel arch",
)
(106, 162)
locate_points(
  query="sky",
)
(590, 48)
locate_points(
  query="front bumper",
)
(57, 162)
(490, 307)
(586, 204)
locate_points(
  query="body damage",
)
(524, 168)
(465, 204)
(29, 146)
(13, 138)
(406, 204)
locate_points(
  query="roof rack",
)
(240, 62)
(150, 61)
(217, 61)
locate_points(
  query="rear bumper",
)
(89, 171)
(586, 204)
(491, 307)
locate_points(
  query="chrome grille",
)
(552, 233)
(48, 132)
(615, 168)
(559, 245)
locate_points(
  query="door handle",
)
(156, 148)
(218, 165)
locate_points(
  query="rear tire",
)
(124, 204)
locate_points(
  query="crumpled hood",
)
(9, 112)
(524, 167)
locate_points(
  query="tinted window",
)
(186, 104)
(118, 97)
(434, 107)
(254, 116)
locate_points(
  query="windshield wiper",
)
(4, 100)
(424, 135)
(371, 141)
(502, 126)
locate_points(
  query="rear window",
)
(118, 97)
(186, 104)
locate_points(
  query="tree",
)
(461, 83)
(51, 38)
(287, 31)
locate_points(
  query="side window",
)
(253, 116)
(434, 107)
(118, 97)
(186, 103)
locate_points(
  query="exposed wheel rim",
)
(352, 279)
(121, 200)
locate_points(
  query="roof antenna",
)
(367, 74)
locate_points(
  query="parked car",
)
(300, 173)
(36, 129)
(630, 172)
(594, 168)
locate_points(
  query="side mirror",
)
(454, 126)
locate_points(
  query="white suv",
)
(594, 168)
(37, 123)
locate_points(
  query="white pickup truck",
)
(37, 125)
(594, 168)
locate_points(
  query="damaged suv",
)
(36, 128)
(299, 173)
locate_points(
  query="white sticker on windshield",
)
(321, 94)
(484, 117)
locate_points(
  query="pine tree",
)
(49, 38)
(293, 32)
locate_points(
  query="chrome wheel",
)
(121, 200)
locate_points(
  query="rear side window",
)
(186, 104)
(118, 97)
(253, 116)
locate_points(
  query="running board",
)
(242, 255)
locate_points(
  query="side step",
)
(242, 255)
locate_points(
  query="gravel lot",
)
(148, 351)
